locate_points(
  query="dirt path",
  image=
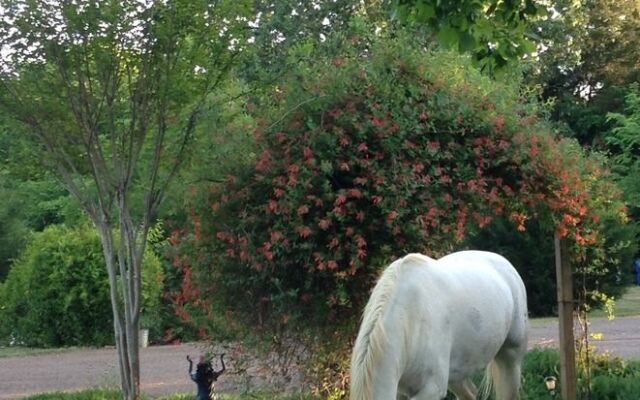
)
(164, 369)
(621, 336)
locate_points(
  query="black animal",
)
(205, 376)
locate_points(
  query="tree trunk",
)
(122, 282)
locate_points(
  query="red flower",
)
(324, 224)
(276, 236)
(307, 153)
(304, 231)
(272, 206)
(360, 181)
(340, 200)
(392, 215)
(263, 162)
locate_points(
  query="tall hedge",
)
(57, 293)
(383, 150)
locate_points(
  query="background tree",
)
(624, 141)
(280, 25)
(493, 31)
(30, 197)
(588, 57)
(112, 92)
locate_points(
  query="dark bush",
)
(57, 293)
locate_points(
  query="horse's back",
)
(490, 283)
(477, 300)
(464, 275)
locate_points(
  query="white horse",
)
(431, 324)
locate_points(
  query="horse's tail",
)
(501, 380)
(490, 377)
(371, 340)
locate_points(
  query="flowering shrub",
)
(372, 155)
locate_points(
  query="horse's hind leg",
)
(505, 371)
(464, 390)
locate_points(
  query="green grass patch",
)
(18, 351)
(105, 394)
(93, 394)
(626, 306)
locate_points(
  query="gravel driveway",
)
(621, 336)
(164, 369)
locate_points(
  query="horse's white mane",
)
(370, 342)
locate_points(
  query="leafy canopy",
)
(493, 31)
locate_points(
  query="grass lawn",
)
(626, 306)
(102, 394)
(17, 351)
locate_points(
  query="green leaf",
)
(424, 12)
(467, 42)
(448, 36)
(528, 46)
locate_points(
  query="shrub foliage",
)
(365, 157)
(57, 293)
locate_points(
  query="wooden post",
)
(565, 313)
